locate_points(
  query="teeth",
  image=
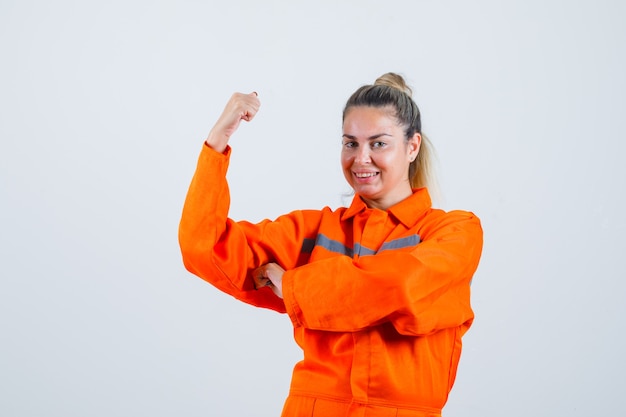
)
(365, 174)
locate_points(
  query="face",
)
(375, 156)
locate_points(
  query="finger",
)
(263, 282)
(251, 108)
(259, 278)
(247, 116)
(259, 283)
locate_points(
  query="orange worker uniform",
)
(378, 299)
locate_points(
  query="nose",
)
(362, 155)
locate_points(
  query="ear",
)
(413, 146)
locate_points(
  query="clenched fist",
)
(239, 107)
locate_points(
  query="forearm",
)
(419, 291)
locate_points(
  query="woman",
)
(378, 292)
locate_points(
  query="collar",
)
(405, 211)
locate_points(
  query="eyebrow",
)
(370, 138)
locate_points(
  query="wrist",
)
(216, 142)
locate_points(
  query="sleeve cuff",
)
(293, 310)
(206, 149)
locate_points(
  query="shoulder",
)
(437, 221)
(309, 219)
(323, 212)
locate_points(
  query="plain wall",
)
(104, 107)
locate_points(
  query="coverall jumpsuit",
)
(378, 299)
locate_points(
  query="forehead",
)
(366, 120)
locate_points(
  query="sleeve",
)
(224, 252)
(420, 291)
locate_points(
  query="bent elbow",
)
(190, 252)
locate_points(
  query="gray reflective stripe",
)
(363, 251)
(338, 247)
(403, 242)
(333, 245)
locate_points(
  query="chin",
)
(365, 194)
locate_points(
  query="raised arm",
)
(213, 246)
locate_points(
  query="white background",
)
(103, 109)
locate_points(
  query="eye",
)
(378, 144)
(349, 144)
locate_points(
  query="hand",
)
(239, 107)
(269, 275)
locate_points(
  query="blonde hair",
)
(390, 90)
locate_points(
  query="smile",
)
(365, 174)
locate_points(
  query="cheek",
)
(346, 165)
(346, 161)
